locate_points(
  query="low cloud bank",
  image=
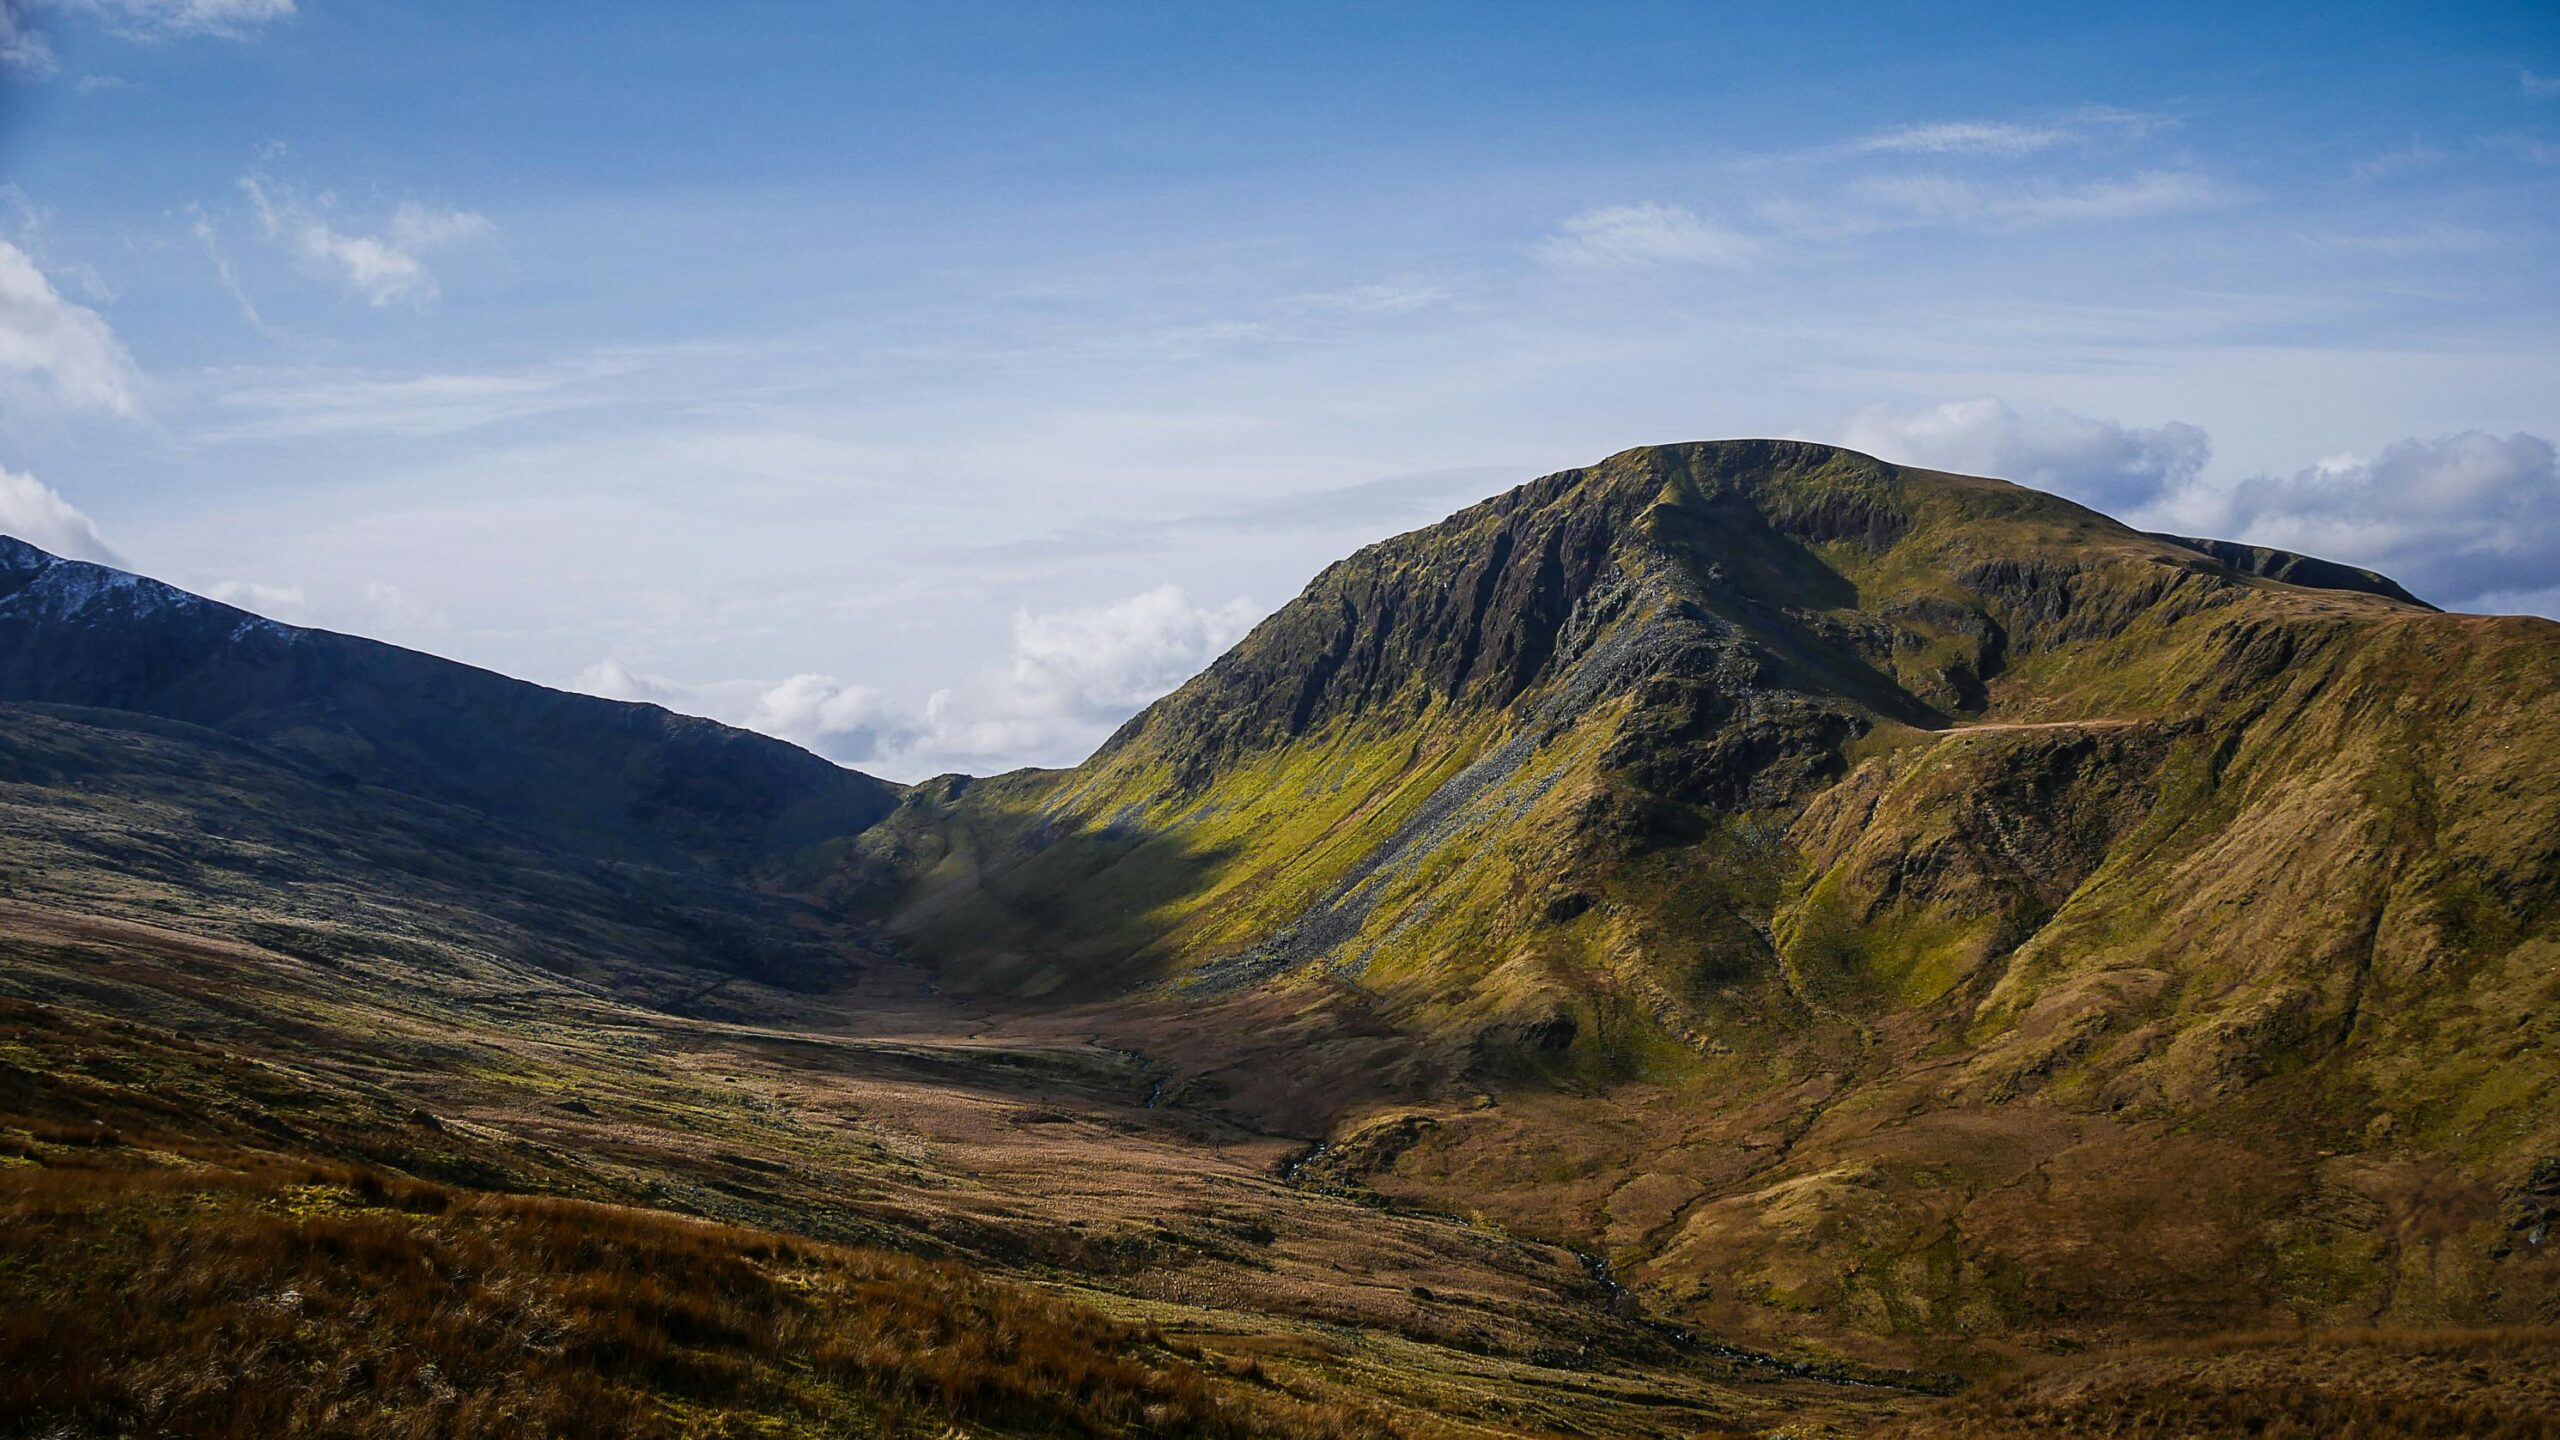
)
(1071, 678)
(2110, 467)
(2470, 521)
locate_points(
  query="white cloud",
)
(2005, 139)
(155, 18)
(67, 347)
(36, 513)
(2416, 155)
(383, 268)
(277, 602)
(1947, 200)
(2415, 240)
(1073, 676)
(27, 51)
(1105, 662)
(1963, 137)
(2540, 86)
(230, 278)
(21, 49)
(2120, 469)
(299, 404)
(416, 228)
(1636, 236)
(2470, 520)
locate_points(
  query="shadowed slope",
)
(632, 781)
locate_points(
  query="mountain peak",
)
(1816, 569)
(1673, 636)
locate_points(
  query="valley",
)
(1739, 939)
(889, 1118)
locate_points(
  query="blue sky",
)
(933, 384)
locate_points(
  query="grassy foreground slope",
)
(186, 1293)
(331, 1113)
(1899, 911)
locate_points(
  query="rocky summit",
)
(1741, 938)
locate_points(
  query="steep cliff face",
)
(1602, 666)
(1906, 869)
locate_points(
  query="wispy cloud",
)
(1416, 498)
(2531, 149)
(229, 277)
(2540, 86)
(290, 404)
(1962, 137)
(1644, 235)
(2004, 138)
(26, 50)
(2416, 240)
(2416, 155)
(157, 18)
(22, 50)
(67, 349)
(383, 268)
(1918, 200)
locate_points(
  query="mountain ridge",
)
(622, 777)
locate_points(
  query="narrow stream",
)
(1621, 1304)
(1296, 1165)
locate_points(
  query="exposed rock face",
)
(599, 775)
(1972, 865)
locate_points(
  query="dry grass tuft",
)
(2497, 1384)
(263, 1299)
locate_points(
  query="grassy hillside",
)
(186, 1291)
(1864, 899)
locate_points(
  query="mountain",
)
(625, 780)
(1740, 938)
(1864, 903)
(332, 798)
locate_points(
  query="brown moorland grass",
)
(262, 1298)
(2483, 1384)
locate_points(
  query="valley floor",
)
(162, 1092)
(250, 1192)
